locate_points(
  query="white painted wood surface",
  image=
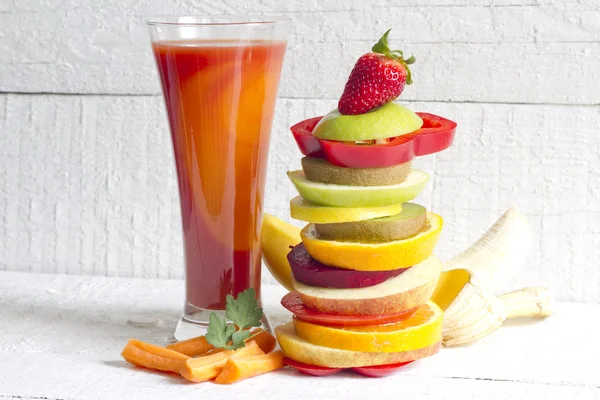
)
(61, 337)
(495, 51)
(88, 185)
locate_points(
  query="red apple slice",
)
(309, 271)
(293, 303)
(398, 294)
(313, 370)
(378, 371)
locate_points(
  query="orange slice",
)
(298, 349)
(374, 256)
(421, 330)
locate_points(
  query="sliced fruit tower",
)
(364, 271)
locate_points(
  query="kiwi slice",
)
(408, 223)
(319, 170)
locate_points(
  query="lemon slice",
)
(298, 349)
(421, 330)
(306, 211)
(374, 256)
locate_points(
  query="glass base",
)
(194, 322)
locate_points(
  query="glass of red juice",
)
(219, 79)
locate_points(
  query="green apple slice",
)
(359, 196)
(387, 121)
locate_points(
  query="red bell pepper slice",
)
(309, 369)
(294, 304)
(375, 371)
(378, 371)
(436, 134)
(309, 145)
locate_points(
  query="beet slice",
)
(309, 271)
(293, 303)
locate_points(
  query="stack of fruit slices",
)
(365, 270)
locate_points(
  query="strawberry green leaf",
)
(381, 46)
(244, 311)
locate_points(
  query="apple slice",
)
(389, 120)
(300, 350)
(401, 293)
(294, 304)
(309, 271)
(359, 196)
(320, 170)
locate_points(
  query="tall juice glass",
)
(219, 80)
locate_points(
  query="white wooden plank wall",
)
(87, 184)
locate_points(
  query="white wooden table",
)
(60, 338)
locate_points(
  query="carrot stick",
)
(264, 340)
(237, 369)
(192, 347)
(198, 345)
(207, 367)
(154, 357)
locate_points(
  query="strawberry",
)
(376, 79)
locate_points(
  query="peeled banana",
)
(466, 288)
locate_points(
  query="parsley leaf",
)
(238, 339)
(218, 332)
(244, 311)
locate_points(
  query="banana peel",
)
(276, 238)
(466, 289)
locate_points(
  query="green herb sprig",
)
(244, 312)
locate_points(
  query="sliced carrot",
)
(264, 340)
(204, 368)
(192, 347)
(207, 367)
(198, 345)
(237, 369)
(154, 357)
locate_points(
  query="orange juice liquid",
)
(220, 98)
